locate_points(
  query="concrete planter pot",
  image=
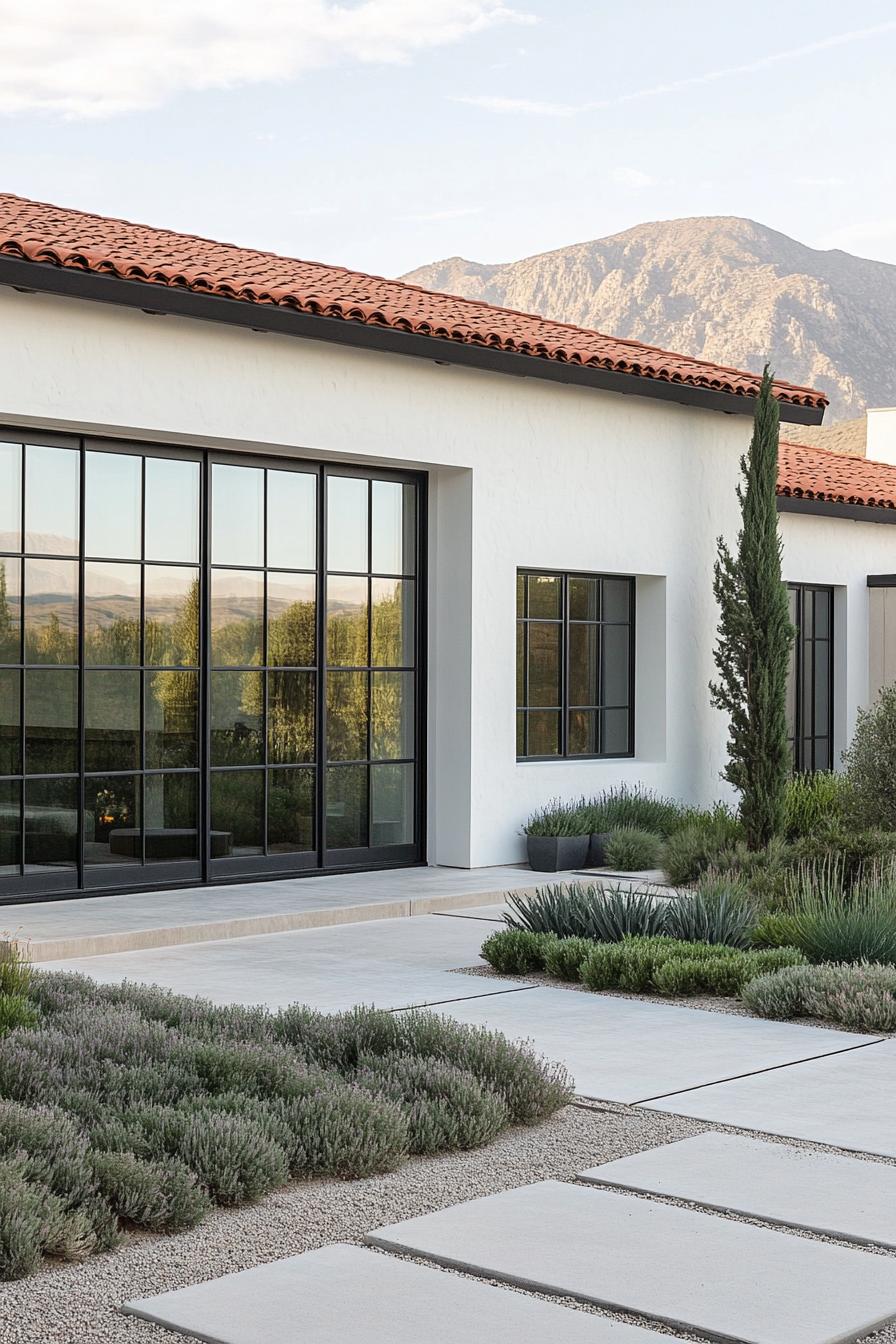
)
(597, 852)
(556, 853)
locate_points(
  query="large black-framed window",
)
(810, 683)
(575, 665)
(209, 666)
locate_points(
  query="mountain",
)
(724, 289)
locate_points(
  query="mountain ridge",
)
(721, 288)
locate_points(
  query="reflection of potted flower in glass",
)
(109, 811)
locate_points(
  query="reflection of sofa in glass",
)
(166, 843)
(51, 834)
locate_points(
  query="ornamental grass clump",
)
(813, 801)
(128, 1106)
(835, 922)
(588, 910)
(560, 819)
(638, 808)
(860, 996)
(632, 850)
(719, 910)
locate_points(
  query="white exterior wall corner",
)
(522, 473)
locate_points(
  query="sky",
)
(384, 134)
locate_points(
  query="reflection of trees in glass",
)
(9, 621)
(50, 641)
(237, 717)
(391, 635)
(347, 637)
(291, 636)
(290, 810)
(347, 807)
(171, 719)
(117, 643)
(238, 806)
(175, 643)
(290, 716)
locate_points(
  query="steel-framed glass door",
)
(209, 666)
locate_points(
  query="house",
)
(303, 569)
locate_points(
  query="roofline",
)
(69, 282)
(859, 513)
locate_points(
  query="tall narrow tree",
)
(754, 637)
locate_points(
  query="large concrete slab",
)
(797, 1187)
(344, 1293)
(394, 963)
(633, 1050)
(847, 1101)
(726, 1279)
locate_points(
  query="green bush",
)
(834, 923)
(15, 970)
(15, 1011)
(861, 997)
(632, 850)
(870, 764)
(588, 911)
(160, 1196)
(638, 808)
(559, 818)
(670, 966)
(701, 843)
(447, 1108)
(564, 957)
(515, 951)
(813, 801)
(854, 852)
(717, 911)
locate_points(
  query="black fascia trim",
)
(859, 513)
(71, 283)
(882, 580)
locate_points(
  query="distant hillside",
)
(723, 289)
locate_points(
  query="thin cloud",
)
(632, 177)
(99, 58)
(432, 216)
(525, 105)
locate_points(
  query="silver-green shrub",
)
(861, 997)
(632, 850)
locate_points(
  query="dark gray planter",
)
(597, 853)
(556, 853)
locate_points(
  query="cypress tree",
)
(754, 637)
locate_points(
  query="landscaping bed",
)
(127, 1106)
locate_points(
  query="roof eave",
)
(859, 513)
(72, 283)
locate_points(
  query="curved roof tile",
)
(51, 235)
(815, 473)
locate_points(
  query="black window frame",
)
(566, 622)
(813, 651)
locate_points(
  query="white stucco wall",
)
(522, 473)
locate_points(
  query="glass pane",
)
(615, 732)
(237, 608)
(584, 599)
(172, 510)
(394, 530)
(347, 716)
(391, 804)
(112, 720)
(171, 825)
(520, 663)
(10, 723)
(10, 826)
(807, 614)
(172, 719)
(544, 663)
(615, 661)
(51, 611)
(346, 523)
(520, 733)
(113, 489)
(237, 804)
(616, 600)
(393, 622)
(520, 595)
(791, 691)
(237, 515)
(10, 610)
(822, 614)
(10, 496)
(346, 622)
(583, 645)
(291, 616)
(822, 759)
(292, 520)
(51, 824)
(544, 596)
(52, 500)
(290, 811)
(347, 807)
(111, 613)
(290, 717)
(392, 704)
(237, 715)
(583, 732)
(112, 819)
(822, 705)
(51, 721)
(171, 599)
(544, 733)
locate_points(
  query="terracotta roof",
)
(52, 236)
(814, 473)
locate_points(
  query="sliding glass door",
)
(208, 667)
